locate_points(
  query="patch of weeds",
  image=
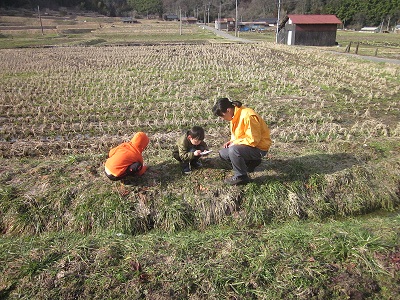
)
(172, 214)
(37, 262)
(389, 262)
(296, 170)
(306, 199)
(289, 89)
(21, 75)
(93, 42)
(360, 190)
(215, 206)
(64, 200)
(319, 137)
(109, 255)
(8, 196)
(345, 245)
(263, 204)
(384, 148)
(356, 249)
(77, 30)
(71, 159)
(31, 215)
(111, 213)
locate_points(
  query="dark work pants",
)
(237, 155)
(130, 171)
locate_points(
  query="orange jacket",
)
(125, 154)
(248, 128)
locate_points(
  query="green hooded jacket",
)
(184, 149)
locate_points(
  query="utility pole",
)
(236, 19)
(278, 21)
(219, 16)
(180, 21)
(204, 20)
(208, 13)
(40, 18)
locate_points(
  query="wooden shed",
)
(189, 20)
(226, 24)
(129, 20)
(170, 17)
(309, 30)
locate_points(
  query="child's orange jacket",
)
(125, 154)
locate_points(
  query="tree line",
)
(352, 13)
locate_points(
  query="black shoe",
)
(196, 164)
(252, 164)
(238, 180)
(186, 169)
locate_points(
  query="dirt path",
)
(226, 35)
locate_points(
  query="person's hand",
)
(227, 144)
(197, 153)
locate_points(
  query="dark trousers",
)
(238, 155)
(130, 171)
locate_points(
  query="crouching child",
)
(188, 149)
(126, 159)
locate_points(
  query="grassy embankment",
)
(320, 219)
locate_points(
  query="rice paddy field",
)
(320, 219)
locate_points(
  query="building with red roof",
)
(309, 30)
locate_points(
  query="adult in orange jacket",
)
(126, 159)
(250, 138)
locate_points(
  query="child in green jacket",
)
(189, 148)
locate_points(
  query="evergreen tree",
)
(145, 7)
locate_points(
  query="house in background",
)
(309, 30)
(370, 29)
(189, 20)
(253, 26)
(270, 21)
(128, 20)
(170, 17)
(226, 24)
